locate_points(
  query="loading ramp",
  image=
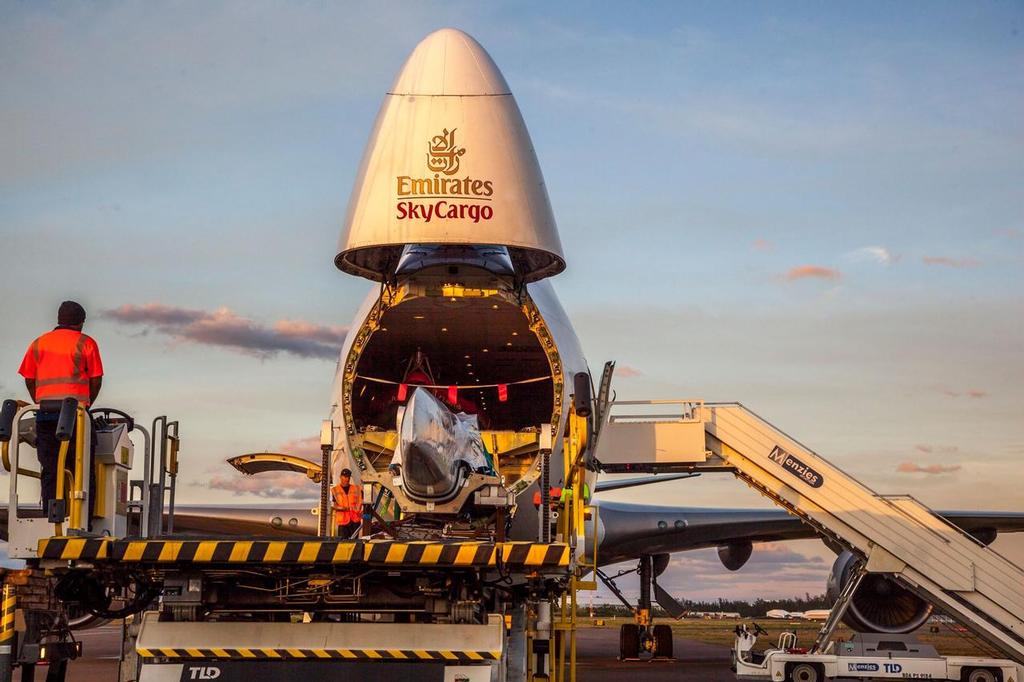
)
(894, 534)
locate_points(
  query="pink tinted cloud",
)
(914, 468)
(946, 261)
(308, 447)
(227, 329)
(812, 272)
(625, 371)
(274, 484)
(975, 393)
(763, 245)
(937, 449)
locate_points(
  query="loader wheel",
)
(663, 641)
(629, 641)
(979, 675)
(805, 672)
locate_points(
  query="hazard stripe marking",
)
(134, 551)
(431, 554)
(325, 553)
(222, 552)
(152, 551)
(292, 551)
(275, 550)
(188, 551)
(383, 552)
(240, 552)
(396, 554)
(257, 552)
(372, 654)
(344, 552)
(309, 552)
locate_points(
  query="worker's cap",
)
(70, 314)
(345, 472)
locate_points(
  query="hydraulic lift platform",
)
(466, 604)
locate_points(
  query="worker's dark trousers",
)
(347, 530)
(48, 451)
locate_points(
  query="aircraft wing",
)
(627, 530)
(253, 521)
(630, 530)
(257, 521)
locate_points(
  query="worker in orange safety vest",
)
(62, 363)
(348, 505)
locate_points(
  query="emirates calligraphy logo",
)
(442, 154)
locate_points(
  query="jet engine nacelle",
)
(880, 604)
(735, 555)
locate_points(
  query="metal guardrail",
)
(690, 412)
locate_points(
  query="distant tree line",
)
(746, 609)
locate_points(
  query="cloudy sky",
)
(814, 210)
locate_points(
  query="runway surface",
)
(597, 650)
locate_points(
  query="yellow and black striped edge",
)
(320, 654)
(384, 552)
(74, 548)
(9, 606)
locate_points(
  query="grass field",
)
(947, 640)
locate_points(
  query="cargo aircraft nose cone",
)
(449, 163)
(450, 62)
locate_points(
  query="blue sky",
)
(814, 209)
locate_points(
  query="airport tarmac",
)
(597, 662)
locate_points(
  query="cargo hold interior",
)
(472, 343)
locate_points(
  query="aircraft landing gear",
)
(629, 641)
(634, 639)
(663, 641)
(642, 636)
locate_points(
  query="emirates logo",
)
(442, 153)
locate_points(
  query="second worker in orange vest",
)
(348, 505)
(62, 363)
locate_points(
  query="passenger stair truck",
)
(474, 608)
(892, 535)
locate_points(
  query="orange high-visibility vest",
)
(348, 508)
(62, 362)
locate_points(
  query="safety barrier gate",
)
(896, 535)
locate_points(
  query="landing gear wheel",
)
(629, 641)
(980, 675)
(663, 641)
(805, 672)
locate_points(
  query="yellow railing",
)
(572, 527)
(77, 494)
